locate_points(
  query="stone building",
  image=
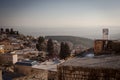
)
(96, 68)
(8, 58)
(26, 53)
(106, 47)
(3, 36)
(7, 45)
(42, 71)
(2, 51)
(16, 46)
(24, 67)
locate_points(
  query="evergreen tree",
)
(38, 47)
(67, 50)
(41, 46)
(50, 47)
(64, 51)
(41, 40)
(17, 33)
(1, 30)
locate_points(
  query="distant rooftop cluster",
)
(8, 31)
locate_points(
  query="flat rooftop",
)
(48, 65)
(103, 61)
(27, 63)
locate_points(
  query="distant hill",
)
(75, 40)
(116, 36)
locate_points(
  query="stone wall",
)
(40, 74)
(98, 47)
(26, 70)
(35, 75)
(84, 73)
(52, 75)
(0, 74)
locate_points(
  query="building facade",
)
(9, 58)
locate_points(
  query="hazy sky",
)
(39, 14)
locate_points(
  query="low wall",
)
(35, 75)
(40, 74)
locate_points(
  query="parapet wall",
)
(84, 73)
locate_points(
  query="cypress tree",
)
(40, 45)
(50, 47)
(67, 50)
(62, 56)
(64, 51)
(41, 39)
(1, 30)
